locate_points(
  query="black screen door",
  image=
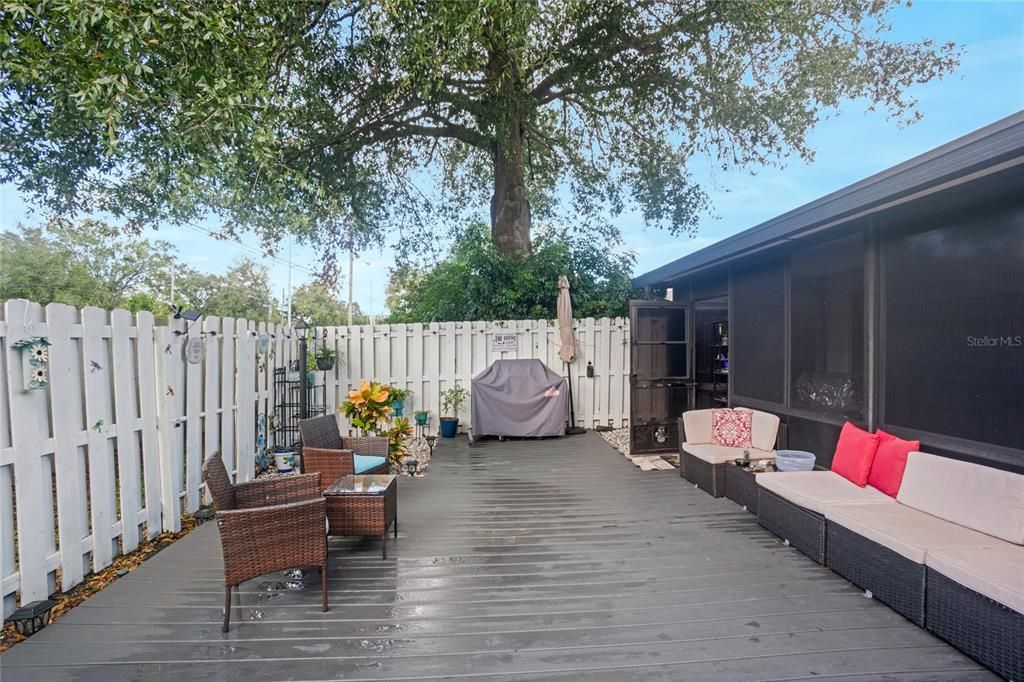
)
(661, 375)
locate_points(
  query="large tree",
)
(320, 306)
(86, 263)
(301, 115)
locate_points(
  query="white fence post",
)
(27, 425)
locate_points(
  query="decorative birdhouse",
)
(35, 363)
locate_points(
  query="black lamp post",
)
(301, 328)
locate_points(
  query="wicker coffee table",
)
(363, 505)
(741, 484)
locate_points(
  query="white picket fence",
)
(430, 358)
(110, 453)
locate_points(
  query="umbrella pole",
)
(572, 429)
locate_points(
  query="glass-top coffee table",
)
(363, 505)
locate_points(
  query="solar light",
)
(189, 315)
(411, 466)
(33, 617)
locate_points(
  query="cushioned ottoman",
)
(792, 505)
(882, 548)
(976, 603)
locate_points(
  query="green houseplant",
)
(325, 358)
(452, 401)
(369, 406)
(397, 397)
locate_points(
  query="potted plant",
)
(325, 358)
(397, 435)
(422, 416)
(311, 370)
(369, 406)
(284, 458)
(452, 401)
(397, 397)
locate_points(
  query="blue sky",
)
(989, 85)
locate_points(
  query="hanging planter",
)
(35, 363)
(325, 358)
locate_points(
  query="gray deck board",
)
(552, 559)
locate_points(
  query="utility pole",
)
(289, 281)
(172, 287)
(351, 258)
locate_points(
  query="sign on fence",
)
(503, 342)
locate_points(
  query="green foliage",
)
(88, 263)
(325, 352)
(320, 306)
(295, 115)
(397, 394)
(243, 291)
(453, 399)
(476, 282)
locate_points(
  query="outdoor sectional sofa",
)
(704, 463)
(947, 552)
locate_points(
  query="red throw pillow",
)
(890, 461)
(855, 453)
(731, 428)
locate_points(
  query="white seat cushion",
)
(908, 532)
(815, 490)
(996, 572)
(719, 454)
(979, 497)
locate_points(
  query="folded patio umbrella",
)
(568, 350)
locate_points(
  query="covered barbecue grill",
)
(519, 398)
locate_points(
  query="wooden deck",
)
(552, 559)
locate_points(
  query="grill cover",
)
(521, 398)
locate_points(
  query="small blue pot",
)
(398, 406)
(449, 427)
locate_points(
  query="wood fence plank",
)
(193, 424)
(149, 396)
(211, 418)
(26, 436)
(229, 341)
(66, 391)
(98, 419)
(127, 442)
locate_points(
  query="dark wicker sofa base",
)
(803, 528)
(985, 630)
(741, 487)
(892, 578)
(708, 477)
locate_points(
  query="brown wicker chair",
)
(326, 451)
(266, 526)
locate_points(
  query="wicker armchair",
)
(266, 526)
(326, 451)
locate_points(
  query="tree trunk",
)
(510, 208)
